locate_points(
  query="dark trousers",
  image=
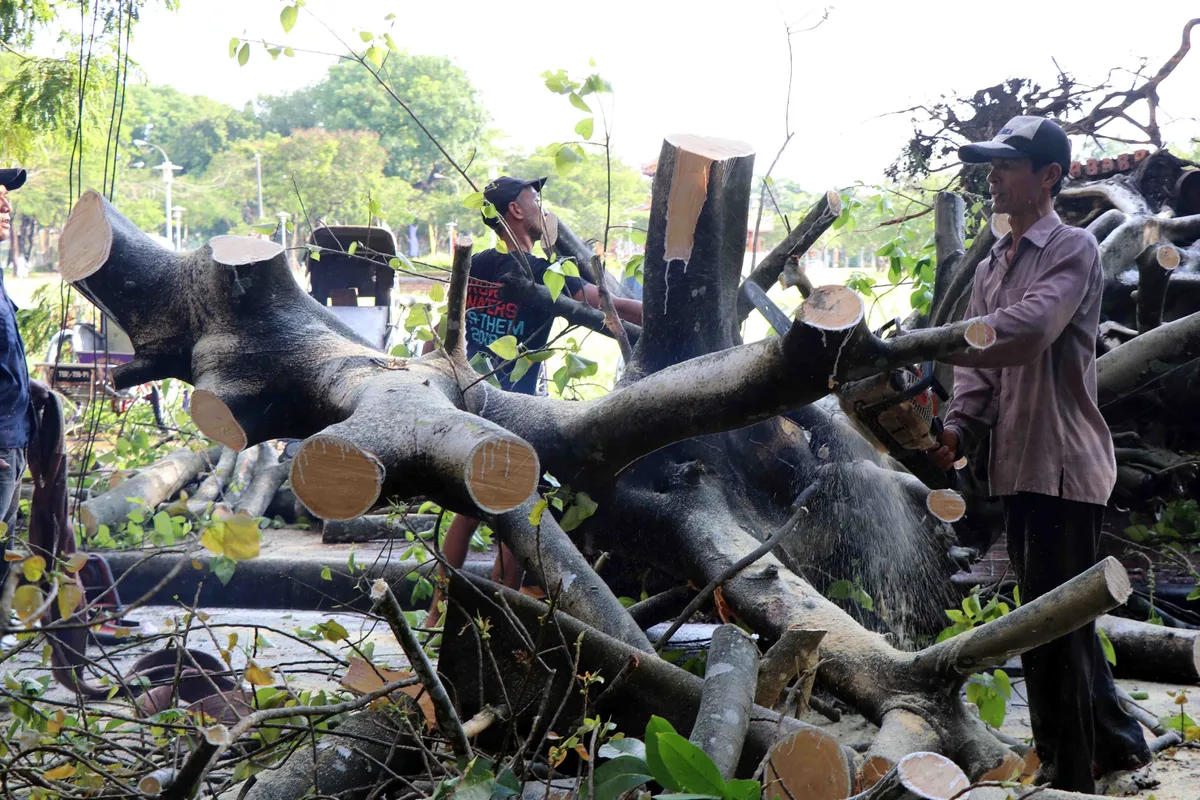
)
(1076, 719)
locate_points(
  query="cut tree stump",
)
(809, 765)
(1155, 266)
(920, 776)
(155, 484)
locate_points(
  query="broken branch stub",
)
(794, 654)
(696, 238)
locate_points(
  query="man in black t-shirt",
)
(493, 311)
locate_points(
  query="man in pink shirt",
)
(1051, 457)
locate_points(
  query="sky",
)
(716, 69)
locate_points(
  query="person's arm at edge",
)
(1025, 329)
(628, 310)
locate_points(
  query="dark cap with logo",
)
(505, 190)
(1023, 137)
(12, 179)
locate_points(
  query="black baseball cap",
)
(505, 190)
(12, 179)
(1023, 137)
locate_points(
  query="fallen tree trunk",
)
(1152, 652)
(730, 675)
(1130, 366)
(211, 487)
(155, 484)
(243, 473)
(269, 474)
(373, 527)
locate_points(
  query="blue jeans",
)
(10, 491)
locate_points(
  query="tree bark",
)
(730, 675)
(546, 550)
(155, 484)
(210, 489)
(953, 305)
(269, 475)
(1155, 265)
(1152, 652)
(795, 654)
(372, 528)
(1128, 367)
(243, 473)
(696, 239)
(949, 238)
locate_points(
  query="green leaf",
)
(618, 776)
(390, 42)
(1106, 645)
(366, 36)
(287, 18)
(657, 725)
(1194, 594)
(539, 508)
(623, 745)
(690, 766)
(162, 525)
(243, 55)
(581, 508)
(840, 590)
(477, 783)
(374, 209)
(554, 282)
(436, 293)
(519, 369)
(585, 127)
(326, 573)
(473, 200)
(506, 786)
(289, 52)
(579, 103)
(274, 51)
(743, 790)
(233, 46)
(569, 269)
(374, 54)
(418, 317)
(565, 160)
(352, 249)
(505, 347)
(1003, 684)
(637, 236)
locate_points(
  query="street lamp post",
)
(283, 218)
(178, 212)
(168, 170)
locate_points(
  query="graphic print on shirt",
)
(488, 316)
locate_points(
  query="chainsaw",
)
(898, 410)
